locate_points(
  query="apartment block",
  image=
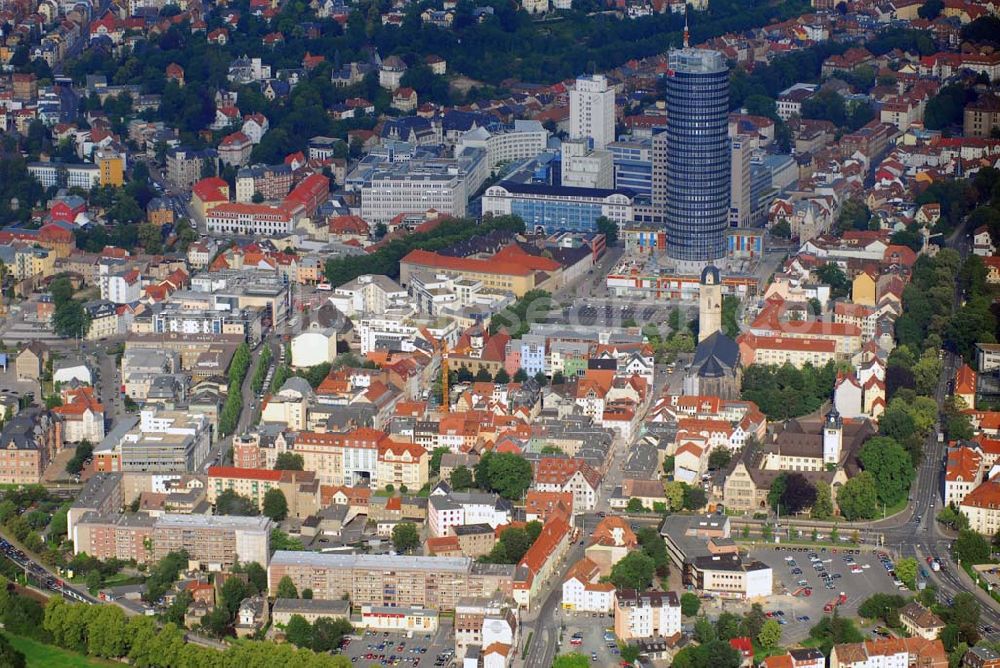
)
(646, 614)
(431, 582)
(300, 488)
(51, 174)
(29, 441)
(216, 541)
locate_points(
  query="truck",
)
(840, 600)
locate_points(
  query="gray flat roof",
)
(198, 521)
(370, 561)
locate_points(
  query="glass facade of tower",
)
(698, 156)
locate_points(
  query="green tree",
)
(405, 537)
(835, 630)
(256, 575)
(628, 653)
(971, 547)
(694, 498)
(286, 588)
(858, 498)
(275, 504)
(288, 461)
(674, 493)
(461, 478)
(231, 503)
(635, 506)
(690, 604)
(435, 462)
(891, 467)
(609, 229)
(831, 274)
(634, 571)
(151, 238)
(704, 630)
(906, 571)
(720, 458)
(328, 633)
(965, 610)
(770, 634)
(299, 632)
(931, 9)
(822, 508)
(10, 657)
(504, 473)
(882, 606)
(727, 626)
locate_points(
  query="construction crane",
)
(444, 378)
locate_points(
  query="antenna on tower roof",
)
(687, 33)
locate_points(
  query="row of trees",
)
(229, 417)
(324, 635)
(26, 512)
(275, 505)
(103, 631)
(260, 373)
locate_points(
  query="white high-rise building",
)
(592, 110)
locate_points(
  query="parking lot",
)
(383, 648)
(857, 573)
(589, 634)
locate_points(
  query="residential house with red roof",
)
(568, 474)
(965, 385)
(982, 507)
(81, 414)
(583, 591)
(541, 559)
(234, 149)
(610, 542)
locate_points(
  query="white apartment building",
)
(371, 294)
(445, 510)
(402, 329)
(586, 168)
(592, 110)
(57, 174)
(521, 141)
(646, 614)
(124, 287)
(583, 592)
(250, 219)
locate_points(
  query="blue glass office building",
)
(698, 156)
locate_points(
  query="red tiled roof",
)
(429, 259)
(553, 532)
(211, 189)
(238, 472)
(963, 465)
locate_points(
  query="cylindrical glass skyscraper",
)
(698, 160)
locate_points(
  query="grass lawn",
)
(40, 655)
